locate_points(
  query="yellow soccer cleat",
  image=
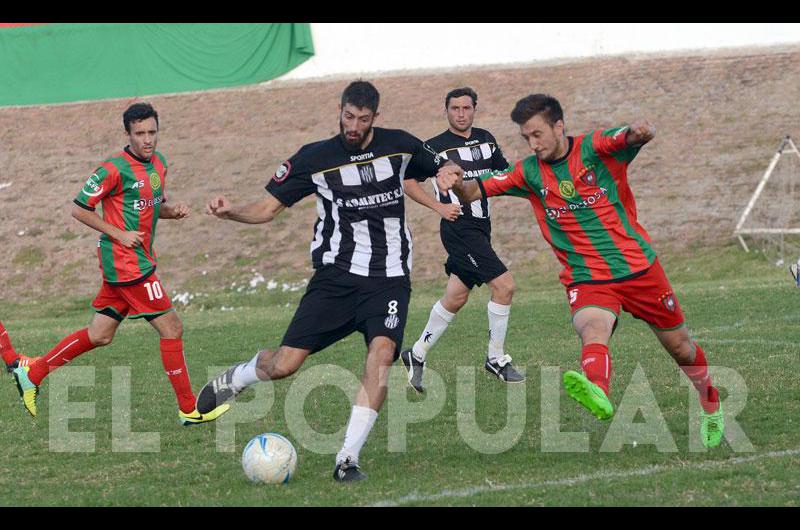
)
(27, 390)
(194, 417)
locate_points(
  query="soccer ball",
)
(269, 459)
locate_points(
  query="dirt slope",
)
(719, 118)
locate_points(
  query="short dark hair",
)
(458, 92)
(361, 94)
(530, 106)
(138, 112)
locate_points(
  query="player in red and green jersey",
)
(578, 188)
(130, 188)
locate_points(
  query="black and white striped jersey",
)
(476, 155)
(361, 226)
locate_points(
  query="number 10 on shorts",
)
(154, 291)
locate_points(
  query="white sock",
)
(245, 375)
(437, 323)
(361, 421)
(498, 324)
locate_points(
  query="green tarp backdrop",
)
(56, 63)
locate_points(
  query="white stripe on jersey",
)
(350, 175)
(487, 151)
(383, 169)
(318, 239)
(322, 185)
(394, 263)
(477, 211)
(336, 238)
(403, 166)
(465, 154)
(410, 248)
(363, 249)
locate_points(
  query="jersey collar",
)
(571, 141)
(133, 155)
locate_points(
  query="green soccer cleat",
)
(588, 394)
(712, 427)
(27, 390)
(194, 417)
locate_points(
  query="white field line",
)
(580, 479)
(761, 342)
(5, 184)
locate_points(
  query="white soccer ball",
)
(269, 459)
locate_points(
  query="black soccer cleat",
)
(11, 367)
(415, 369)
(502, 369)
(217, 391)
(347, 471)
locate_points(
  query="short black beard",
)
(350, 146)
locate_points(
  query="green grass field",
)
(740, 308)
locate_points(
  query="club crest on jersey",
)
(391, 321)
(93, 188)
(476, 153)
(367, 173)
(587, 176)
(155, 181)
(668, 300)
(567, 189)
(282, 172)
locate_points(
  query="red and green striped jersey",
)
(131, 191)
(584, 206)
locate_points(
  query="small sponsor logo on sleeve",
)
(93, 187)
(282, 172)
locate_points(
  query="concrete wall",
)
(346, 49)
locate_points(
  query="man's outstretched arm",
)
(257, 212)
(415, 191)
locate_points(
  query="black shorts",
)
(470, 255)
(337, 303)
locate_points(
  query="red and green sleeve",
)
(102, 183)
(510, 181)
(613, 142)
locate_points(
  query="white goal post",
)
(787, 146)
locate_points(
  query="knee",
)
(503, 290)
(682, 351)
(277, 365)
(99, 339)
(176, 329)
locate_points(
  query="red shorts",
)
(648, 297)
(144, 299)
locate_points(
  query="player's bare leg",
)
(692, 360)
(498, 310)
(442, 314)
(29, 378)
(590, 388)
(369, 401)
(266, 365)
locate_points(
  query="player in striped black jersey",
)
(578, 188)
(130, 186)
(361, 252)
(466, 233)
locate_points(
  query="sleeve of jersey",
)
(292, 181)
(99, 185)
(499, 161)
(510, 181)
(425, 161)
(613, 142)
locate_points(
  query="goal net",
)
(771, 220)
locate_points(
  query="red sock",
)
(697, 372)
(63, 352)
(6, 349)
(175, 365)
(596, 364)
